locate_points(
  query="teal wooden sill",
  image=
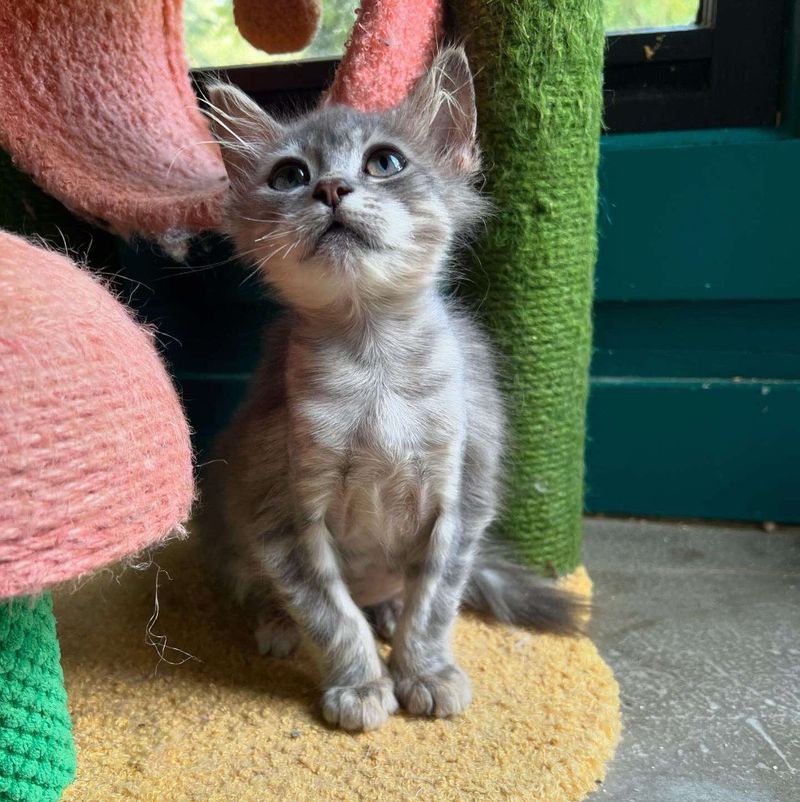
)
(700, 215)
(695, 391)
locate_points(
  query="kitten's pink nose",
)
(331, 191)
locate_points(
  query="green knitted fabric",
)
(538, 67)
(37, 758)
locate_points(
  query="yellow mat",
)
(229, 725)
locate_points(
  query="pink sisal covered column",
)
(390, 47)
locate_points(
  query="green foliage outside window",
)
(212, 39)
(631, 15)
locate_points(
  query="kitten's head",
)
(340, 206)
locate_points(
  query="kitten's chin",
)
(308, 283)
(338, 275)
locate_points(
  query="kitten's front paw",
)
(442, 693)
(364, 707)
(277, 637)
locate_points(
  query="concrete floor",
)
(701, 625)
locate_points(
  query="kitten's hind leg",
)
(276, 633)
(383, 617)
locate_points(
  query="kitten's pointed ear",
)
(240, 126)
(443, 102)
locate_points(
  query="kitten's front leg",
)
(358, 692)
(427, 680)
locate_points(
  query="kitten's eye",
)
(288, 175)
(384, 162)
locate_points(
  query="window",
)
(670, 64)
(637, 15)
(721, 70)
(213, 40)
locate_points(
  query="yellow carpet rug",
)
(228, 725)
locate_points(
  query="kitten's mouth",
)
(336, 227)
(337, 232)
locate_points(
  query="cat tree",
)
(133, 154)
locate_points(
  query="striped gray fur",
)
(363, 470)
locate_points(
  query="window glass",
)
(633, 15)
(213, 40)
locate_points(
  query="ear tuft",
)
(240, 127)
(443, 101)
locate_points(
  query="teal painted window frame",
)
(694, 407)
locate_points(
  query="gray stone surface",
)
(701, 625)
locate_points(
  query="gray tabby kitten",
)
(357, 481)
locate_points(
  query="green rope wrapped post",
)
(37, 758)
(538, 66)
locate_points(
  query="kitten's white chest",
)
(393, 430)
(368, 416)
(382, 499)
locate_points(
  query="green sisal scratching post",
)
(537, 66)
(37, 759)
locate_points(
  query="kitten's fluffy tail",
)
(513, 594)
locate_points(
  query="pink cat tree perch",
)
(117, 137)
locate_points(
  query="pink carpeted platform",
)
(95, 460)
